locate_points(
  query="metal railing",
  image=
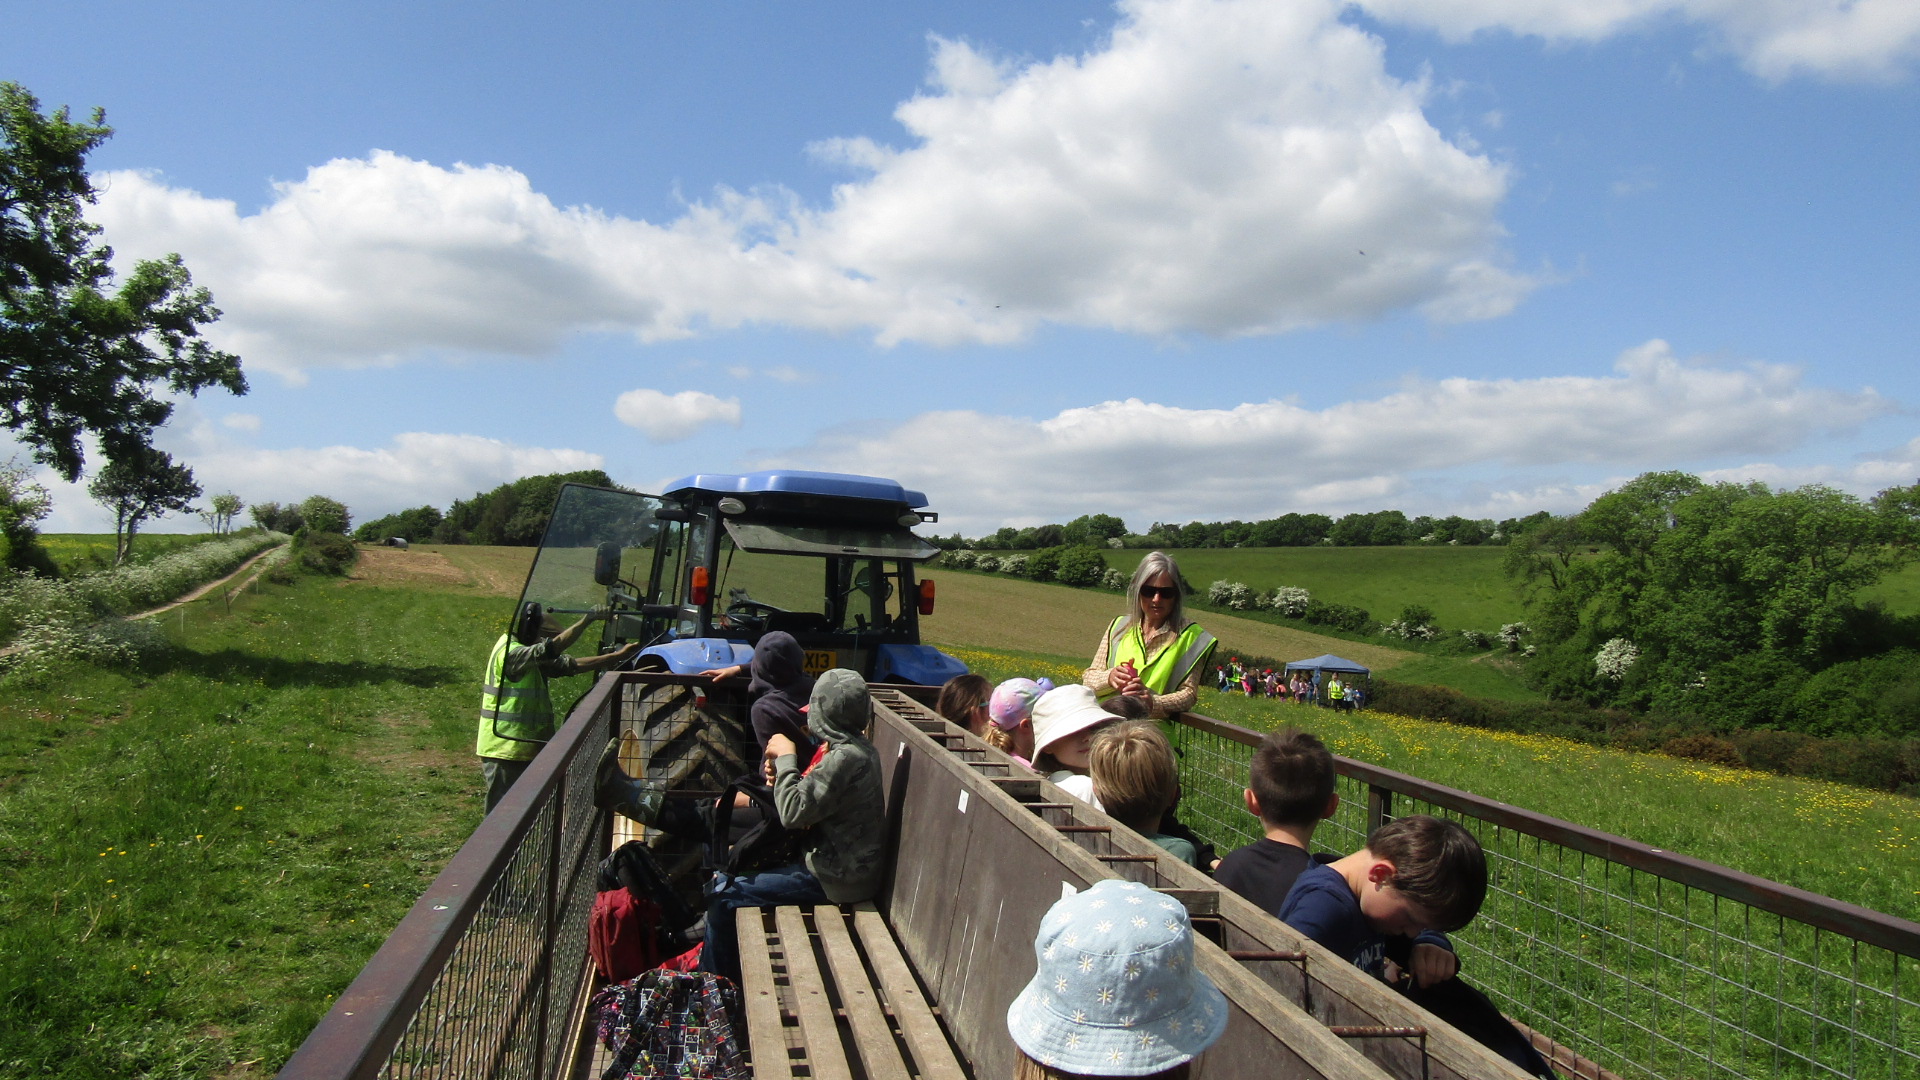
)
(487, 974)
(1645, 963)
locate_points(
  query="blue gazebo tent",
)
(1320, 665)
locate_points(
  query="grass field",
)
(84, 553)
(197, 855)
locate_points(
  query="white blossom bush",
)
(1615, 658)
(1013, 564)
(1289, 600)
(1230, 594)
(1479, 639)
(1511, 633)
(959, 560)
(986, 563)
(1408, 631)
(1114, 580)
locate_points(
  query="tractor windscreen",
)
(598, 549)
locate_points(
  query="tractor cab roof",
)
(708, 486)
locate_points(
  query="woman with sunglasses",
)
(1153, 651)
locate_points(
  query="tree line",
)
(1379, 528)
(511, 515)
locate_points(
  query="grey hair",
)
(1155, 564)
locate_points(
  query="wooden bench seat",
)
(829, 996)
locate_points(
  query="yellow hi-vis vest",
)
(516, 715)
(1335, 690)
(1166, 669)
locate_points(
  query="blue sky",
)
(1171, 259)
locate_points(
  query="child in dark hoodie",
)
(837, 799)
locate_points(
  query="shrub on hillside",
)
(1013, 564)
(986, 563)
(1708, 748)
(1339, 616)
(1289, 600)
(1081, 566)
(1230, 594)
(1042, 564)
(1115, 580)
(324, 552)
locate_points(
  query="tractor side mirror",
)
(606, 564)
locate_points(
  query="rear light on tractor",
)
(701, 586)
(926, 597)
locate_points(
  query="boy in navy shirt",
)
(1383, 908)
(1290, 789)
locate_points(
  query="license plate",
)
(819, 660)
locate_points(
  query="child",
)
(1114, 996)
(1290, 788)
(838, 800)
(1065, 720)
(963, 701)
(1135, 781)
(1011, 712)
(1383, 908)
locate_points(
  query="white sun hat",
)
(1116, 992)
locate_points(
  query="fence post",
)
(1379, 807)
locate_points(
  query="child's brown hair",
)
(961, 695)
(1134, 775)
(1436, 864)
(1291, 777)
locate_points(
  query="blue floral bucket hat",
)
(1116, 993)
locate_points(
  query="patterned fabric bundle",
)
(666, 1024)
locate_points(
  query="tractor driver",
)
(516, 712)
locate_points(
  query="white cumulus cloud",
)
(666, 418)
(1775, 39)
(1213, 166)
(1149, 461)
(414, 469)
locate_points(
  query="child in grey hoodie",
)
(837, 798)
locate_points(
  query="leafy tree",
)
(145, 484)
(220, 513)
(416, 524)
(1732, 594)
(325, 515)
(513, 514)
(23, 504)
(1093, 529)
(273, 517)
(76, 356)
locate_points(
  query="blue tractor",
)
(698, 574)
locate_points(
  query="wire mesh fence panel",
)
(1645, 974)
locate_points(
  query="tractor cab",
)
(700, 573)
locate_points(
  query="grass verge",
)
(196, 855)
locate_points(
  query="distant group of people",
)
(1300, 687)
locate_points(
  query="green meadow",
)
(198, 852)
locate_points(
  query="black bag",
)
(633, 867)
(672, 1024)
(765, 845)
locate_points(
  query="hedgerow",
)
(52, 622)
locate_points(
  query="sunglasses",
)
(1159, 592)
